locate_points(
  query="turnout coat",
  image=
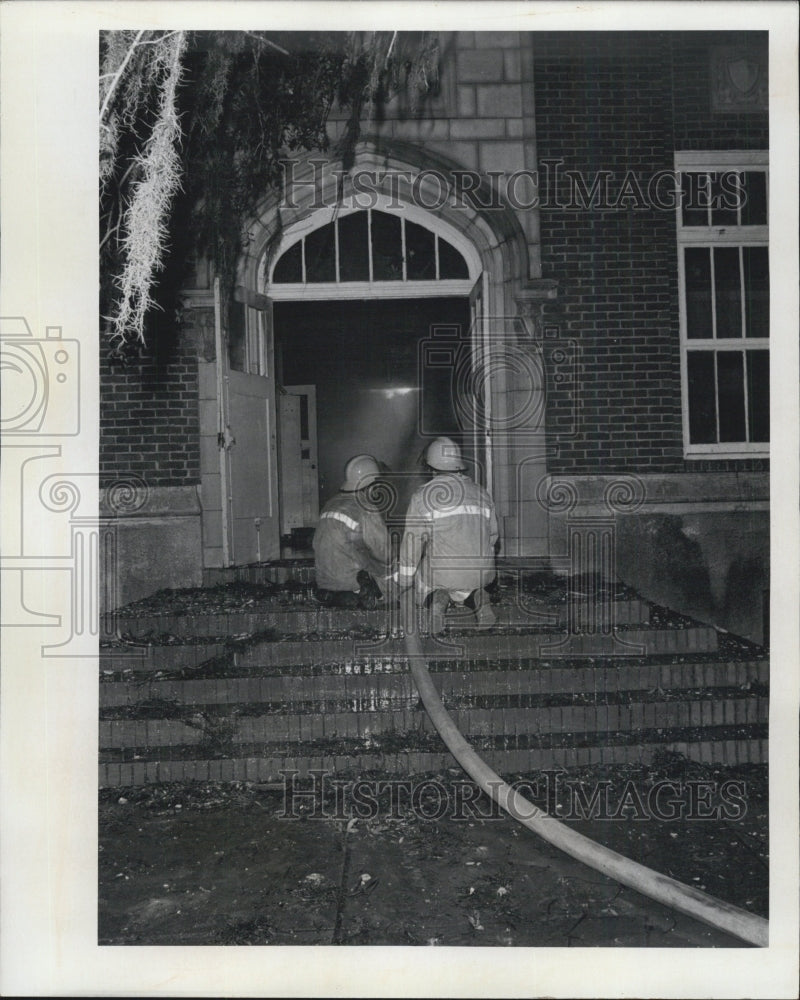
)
(450, 536)
(350, 536)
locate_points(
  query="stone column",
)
(520, 435)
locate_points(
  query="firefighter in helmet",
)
(448, 548)
(352, 551)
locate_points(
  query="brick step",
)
(306, 620)
(281, 727)
(250, 693)
(265, 769)
(266, 655)
(387, 689)
(301, 570)
(124, 658)
(279, 571)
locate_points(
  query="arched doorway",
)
(392, 338)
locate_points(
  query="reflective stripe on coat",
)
(349, 537)
(450, 535)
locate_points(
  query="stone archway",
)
(488, 230)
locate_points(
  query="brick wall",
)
(623, 103)
(148, 414)
(606, 101)
(695, 125)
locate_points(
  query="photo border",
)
(49, 706)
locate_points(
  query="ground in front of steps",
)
(425, 862)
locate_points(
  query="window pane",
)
(304, 417)
(702, 411)
(387, 247)
(730, 388)
(237, 343)
(756, 291)
(697, 261)
(354, 247)
(451, 263)
(754, 209)
(728, 291)
(724, 199)
(290, 267)
(321, 254)
(695, 196)
(758, 394)
(420, 253)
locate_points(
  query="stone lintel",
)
(535, 293)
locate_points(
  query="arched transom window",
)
(370, 249)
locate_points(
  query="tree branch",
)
(389, 51)
(267, 41)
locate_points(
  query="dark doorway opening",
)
(380, 387)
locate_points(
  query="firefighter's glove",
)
(401, 581)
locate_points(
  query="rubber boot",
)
(391, 596)
(370, 592)
(440, 601)
(484, 615)
(336, 598)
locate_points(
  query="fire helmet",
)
(360, 472)
(444, 455)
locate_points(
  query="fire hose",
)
(668, 891)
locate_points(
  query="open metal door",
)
(250, 435)
(479, 443)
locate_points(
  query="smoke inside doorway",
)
(380, 389)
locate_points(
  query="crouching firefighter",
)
(352, 550)
(448, 547)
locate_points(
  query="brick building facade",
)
(577, 284)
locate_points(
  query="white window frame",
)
(397, 289)
(715, 236)
(257, 348)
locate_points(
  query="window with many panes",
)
(370, 246)
(723, 267)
